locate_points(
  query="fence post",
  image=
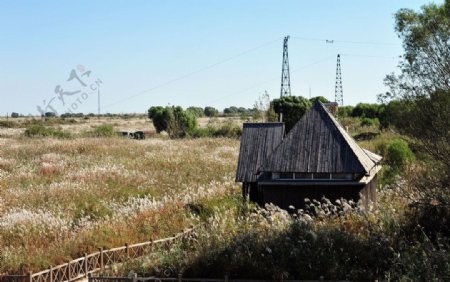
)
(69, 272)
(85, 265)
(101, 259)
(30, 276)
(180, 275)
(51, 273)
(135, 277)
(127, 250)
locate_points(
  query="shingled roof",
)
(318, 143)
(257, 141)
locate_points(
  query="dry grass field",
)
(60, 198)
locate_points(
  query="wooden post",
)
(180, 275)
(68, 272)
(30, 276)
(101, 259)
(85, 265)
(51, 273)
(135, 277)
(127, 250)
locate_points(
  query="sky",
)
(63, 56)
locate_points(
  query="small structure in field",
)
(316, 159)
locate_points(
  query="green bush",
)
(174, 120)
(104, 130)
(398, 154)
(370, 122)
(292, 107)
(228, 129)
(38, 130)
(366, 110)
(197, 111)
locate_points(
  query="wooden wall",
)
(287, 195)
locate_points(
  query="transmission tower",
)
(338, 93)
(285, 76)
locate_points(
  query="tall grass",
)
(60, 198)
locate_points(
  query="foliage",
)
(428, 120)
(14, 115)
(197, 111)
(292, 108)
(227, 129)
(394, 113)
(319, 98)
(334, 240)
(426, 63)
(370, 122)
(345, 111)
(104, 130)
(365, 110)
(39, 130)
(211, 112)
(174, 120)
(398, 154)
(50, 114)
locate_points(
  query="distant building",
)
(316, 159)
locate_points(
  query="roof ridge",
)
(345, 134)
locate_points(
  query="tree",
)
(426, 63)
(158, 116)
(211, 112)
(424, 80)
(292, 108)
(231, 111)
(174, 120)
(319, 98)
(365, 110)
(14, 115)
(197, 111)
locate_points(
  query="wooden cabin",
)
(316, 159)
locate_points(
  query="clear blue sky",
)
(191, 52)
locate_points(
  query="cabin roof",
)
(318, 143)
(257, 141)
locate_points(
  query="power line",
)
(332, 41)
(270, 79)
(193, 72)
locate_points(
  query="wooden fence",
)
(181, 279)
(91, 263)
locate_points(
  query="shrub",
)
(197, 111)
(370, 122)
(399, 154)
(292, 107)
(366, 110)
(211, 112)
(38, 130)
(14, 115)
(104, 130)
(174, 120)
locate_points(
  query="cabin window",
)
(303, 175)
(323, 176)
(342, 176)
(286, 175)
